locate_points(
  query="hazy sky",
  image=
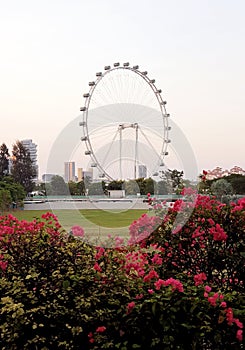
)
(194, 49)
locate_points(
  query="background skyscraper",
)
(32, 148)
(69, 171)
(142, 171)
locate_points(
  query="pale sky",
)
(194, 49)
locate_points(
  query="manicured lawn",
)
(110, 219)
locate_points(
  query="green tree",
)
(4, 160)
(116, 185)
(96, 189)
(131, 187)
(162, 187)
(76, 188)
(221, 187)
(72, 188)
(174, 179)
(149, 186)
(141, 184)
(81, 188)
(23, 170)
(16, 190)
(237, 182)
(58, 186)
(5, 200)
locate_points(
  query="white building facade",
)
(32, 149)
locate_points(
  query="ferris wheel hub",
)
(128, 125)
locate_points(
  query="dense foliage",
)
(178, 285)
(12, 194)
(236, 181)
(4, 160)
(23, 169)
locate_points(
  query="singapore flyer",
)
(125, 124)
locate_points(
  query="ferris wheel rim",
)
(88, 96)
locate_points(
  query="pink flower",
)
(156, 259)
(213, 299)
(150, 291)
(130, 306)
(223, 304)
(101, 329)
(90, 336)
(3, 265)
(159, 283)
(200, 278)
(211, 222)
(77, 231)
(187, 191)
(229, 316)
(207, 289)
(97, 267)
(100, 252)
(152, 274)
(238, 323)
(218, 233)
(239, 335)
(139, 296)
(176, 284)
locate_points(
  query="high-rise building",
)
(142, 171)
(79, 174)
(32, 148)
(85, 174)
(70, 171)
(47, 177)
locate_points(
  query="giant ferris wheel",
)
(125, 123)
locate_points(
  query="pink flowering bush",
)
(178, 287)
(210, 242)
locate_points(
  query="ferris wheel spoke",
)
(149, 142)
(109, 149)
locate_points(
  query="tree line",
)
(170, 182)
(224, 187)
(17, 174)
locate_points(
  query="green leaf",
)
(66, 284)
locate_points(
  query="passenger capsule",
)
(99, 74)
(91, 83)
(87, 153)
(117, 64)
(126, 64)
(136, 67)
(85, 95)
(107, 67)
(82, 109)
(84, 138)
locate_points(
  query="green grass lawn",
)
(68, 218)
